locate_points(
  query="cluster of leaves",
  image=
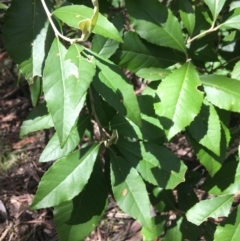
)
(186, 53)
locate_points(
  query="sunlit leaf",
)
(215, 7)
(180, 99)
(215, 207)
(63, 181)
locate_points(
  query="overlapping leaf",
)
(230, 229)
(27, 36)
(130, 192)
(206, 128)
(156, 23)
(136, 54)
(53, 150)
(156, 164)
(187, 15)
(60, 80)
(236, 71)
(226, 180)
(117, 92)
(180, 99)
(232, 22)
(215, 207)
(152, 73)
(222, 91)
(38, 119)
(72, 15)
(77, 218)
(66, 178)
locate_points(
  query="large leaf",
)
(53, 150)
(214, 208)
(136, 54)
(38, 119)
(226, 180)
(77, 85)
(206, 128)
(156, 23)
(187, 15)
(59, 80)
(130, 192)
(116, 90)
(72, 15)
(180, 99)
(66, 178)
(75, 219)
(215, 7)
(156, 164)
(222, 91)
(230, 229)
(27, 36)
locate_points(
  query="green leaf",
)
(72, 15)
(236, 71)
(232, 22)
(3, 6)
(103, 46)
(86, 209)
(53, 150)
(215, 207)
(156, 23)
(215, 7)
(152, 73)
(136, 54)
(230, 229)
(150, 129)
(27, 43)
(64, 104)
(187, 15)
(116, 90)
(173, 232)
(180, 99)
(62, 181)
(219, 88)
(206, 128)
(130, 192)
(38, 119)
(36, 90)
(234, 5)
(208, 159)
(224, 184)
(156, 164)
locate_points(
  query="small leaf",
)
(53, 150)
(206, 128)
(152, 162)
(152, 73)
(62, 181)
(221, 183)
(187, 15)
(103, 46)
(156, 23)
(117, 92)
(233, 5)
(173, 233)
(88, 213)
(63, 104)
(219, 88)
(215, 7)
(72, 15)
(130, 192)
(38, 119)
(229, 230)
(215, 207)
(3, 6)
(180, 99)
